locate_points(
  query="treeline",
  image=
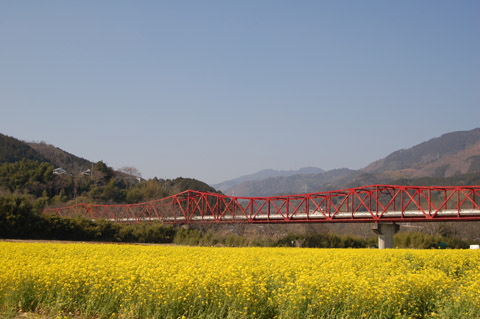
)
(102, 185)
(195, 237)
(208, 238)
(426, 241)
(19, 219)
(27, 186)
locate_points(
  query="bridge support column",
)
(385, 234)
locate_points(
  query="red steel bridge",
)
(375, 203)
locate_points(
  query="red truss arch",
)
(375, 203)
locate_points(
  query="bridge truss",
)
(375, 203)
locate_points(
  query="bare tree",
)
(130, 170)
(130, 175)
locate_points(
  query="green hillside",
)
(61, 158)
(27, 169)
(13, 150)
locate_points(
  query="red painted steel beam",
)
(374, 203)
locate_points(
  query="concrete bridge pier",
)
(385, 232)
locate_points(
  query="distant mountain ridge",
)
(282, 185)
(445, 156)
(449, 155)
(266, 173)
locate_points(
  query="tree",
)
(130, 170)
(146, 190)
(129, 175)
(101, 174)
(26, 177)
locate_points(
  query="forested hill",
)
(13, 150)
(37, 181)
(61, 158)
(27, 169)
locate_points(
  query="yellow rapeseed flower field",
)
(132, 281)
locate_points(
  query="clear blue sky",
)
(217, 89)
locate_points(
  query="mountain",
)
(61, 158)
(28, 169)
(264, 174)
(445, 156)
(13, 150)
(293, 184)
(451, 158)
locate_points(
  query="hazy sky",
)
(217, 89)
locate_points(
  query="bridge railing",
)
(375, 203)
